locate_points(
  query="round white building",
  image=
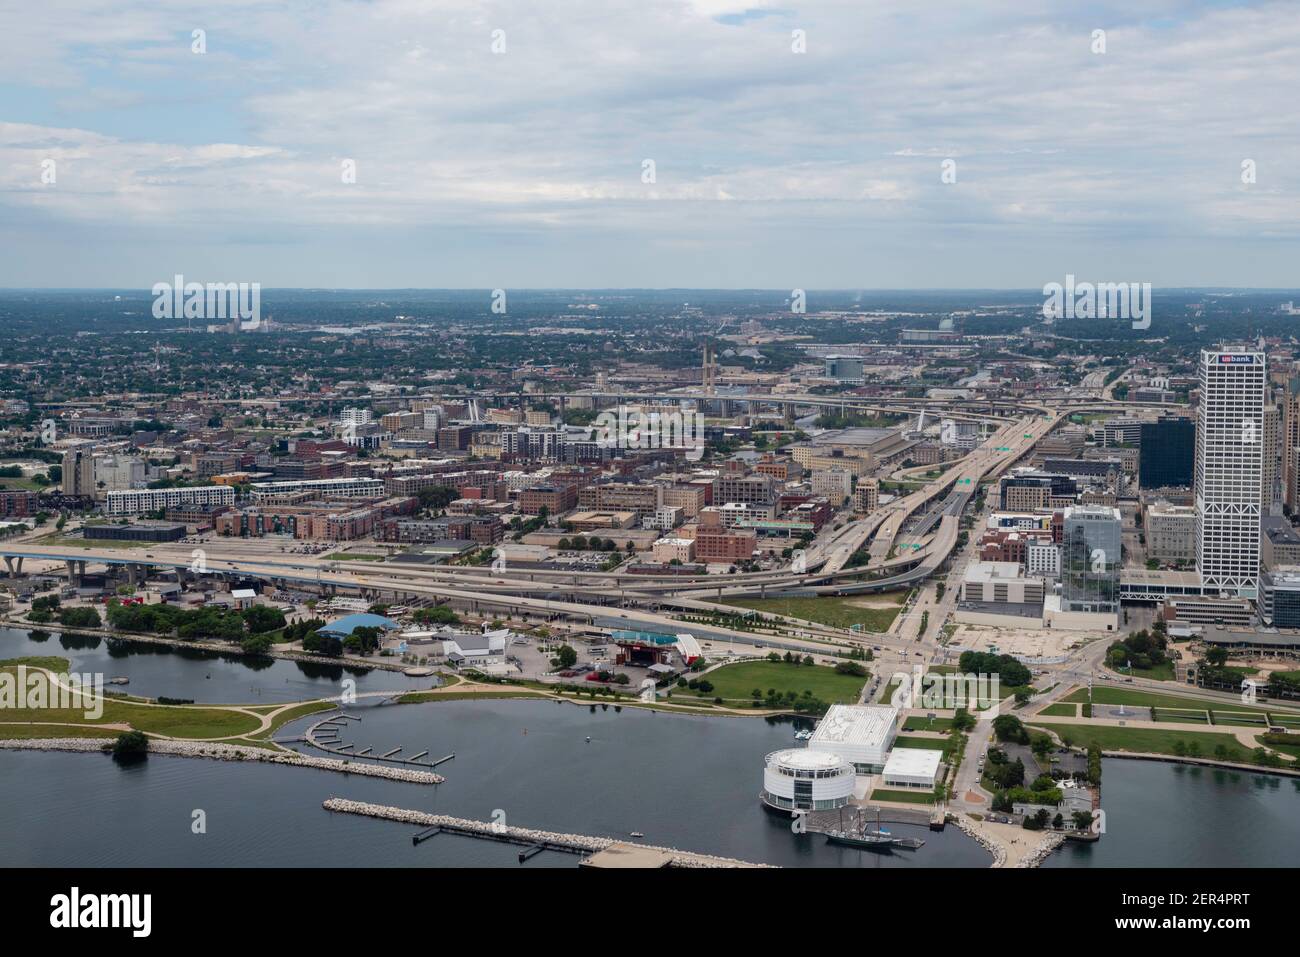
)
(804, 780)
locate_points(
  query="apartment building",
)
(136, 501)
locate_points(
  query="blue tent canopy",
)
(350, 623)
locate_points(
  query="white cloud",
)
(550, 136)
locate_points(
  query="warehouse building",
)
(134, 533)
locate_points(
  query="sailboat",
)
(870, 839)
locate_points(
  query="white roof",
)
(805, 760)
(243, 593)
(913, 762)
(993, 571)
(687, 646)
(865, 725)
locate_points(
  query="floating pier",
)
(427, 833)
(324, 735)
(601, 851)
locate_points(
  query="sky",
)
(837, 144)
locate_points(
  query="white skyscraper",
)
(1230, 440)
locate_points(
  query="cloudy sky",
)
(525, 165)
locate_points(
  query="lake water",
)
(1173, 815)
(199, 674)
(682, 780)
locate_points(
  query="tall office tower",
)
(1291, 447)
(1167, 452)
(1230, 469)
(1091, 558)
(1269, 504)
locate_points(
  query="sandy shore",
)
(1010, 844)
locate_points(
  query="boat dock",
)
(324, 736)
(598, 851)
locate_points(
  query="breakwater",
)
(583, 843)
(228, 752)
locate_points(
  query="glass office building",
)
(1167, 454)
(1091, 557)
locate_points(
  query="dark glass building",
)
(1168, 453)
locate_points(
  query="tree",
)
(1216, 657)
(130, 746)
(263, 618)
(79, 617)
(565, 657)
(256, 644)
(1008, 727)
(320, 644)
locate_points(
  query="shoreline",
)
(217, 647)
(225, 752)
(1003, 841)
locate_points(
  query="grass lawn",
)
(835, 611)
(179, 721)
(1239, 719)
(1180, 716)
(738, 681)
(1150, 740)
(930, 744)
(921, 723)
(1284, 720)
(1060, 710)
(55, 664)
(25, 732)
(1164, 672)
(1286, 747)
(1103, 695)
(285, 717)
(903, 797)
(416, 697)
(70, 541)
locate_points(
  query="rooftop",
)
(855, 436)
(350, 623)
(913, 762)
(1279, 530)
(805, 760)
(865, 725)
(993, 571)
